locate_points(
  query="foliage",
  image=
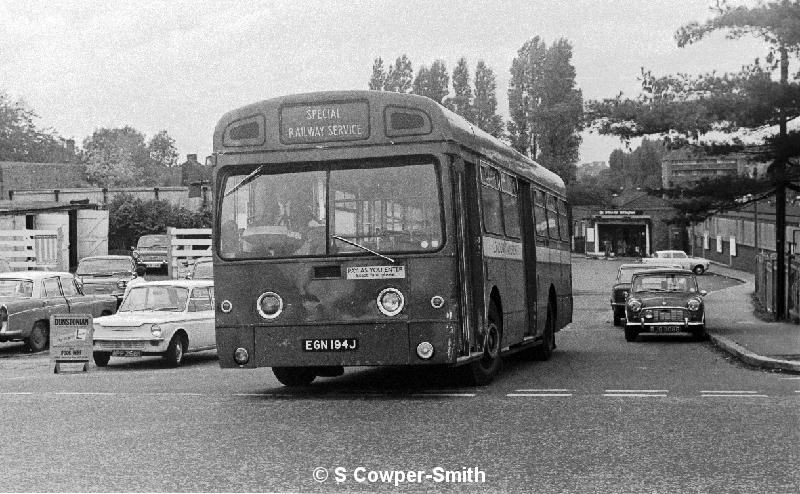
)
(432, 82)
(21, 139)
(120, 158)
(461, 103)
(131, 217)
(545, 106)
(484, 107)
(378, 79)
(399, 78)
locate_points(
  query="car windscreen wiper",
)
(354, 244)
(246, 180)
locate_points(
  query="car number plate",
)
(330, 345)
(126, 353)
(666, 329)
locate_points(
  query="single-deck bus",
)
(365, 228)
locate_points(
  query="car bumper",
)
(144, 345)
(153, 264)
(685, 326)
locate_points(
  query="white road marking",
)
(637, 391)
(518, 395)
(12, 378)
(635, 395)
(18, 393)
(789, 378)
(460, 395)
(77, 393)
(542, 390)
(734, 395)
(730, 392)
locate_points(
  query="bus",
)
(369, 228)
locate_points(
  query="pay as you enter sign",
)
(70, 339)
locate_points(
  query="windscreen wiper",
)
(337, 237)
(246, 180)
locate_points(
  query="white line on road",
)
(729, 392)
(17, 393)
(459, 395)
(732, 395)
(518, 395)
(635, 395)
(542, 390)
(76, 393)
(637, 391)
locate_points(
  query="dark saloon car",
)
(623, 284)
(108, 275)
(151, 251)
(28, 298)
(665, 300)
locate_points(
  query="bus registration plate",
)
(330, 345)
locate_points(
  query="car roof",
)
(33, 275)
(179, 282)
(663, 270)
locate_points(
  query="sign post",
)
(70, 340)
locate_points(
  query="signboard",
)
(329, 122)
(619, 212)
(590, 235)
(375, 272)
(502, 249)
(70, 339)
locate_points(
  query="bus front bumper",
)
(376, 344)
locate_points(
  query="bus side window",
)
(563, 220)
(490, 200)
(539, 213)
(510, 206)
(552, 217)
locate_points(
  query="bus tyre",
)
(484, 370)
(545, 350)
(698, 270)
(176, 350)
(631, 333)
(101, 358)
(38, 339)
(294, 376)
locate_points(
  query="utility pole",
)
(780, 200)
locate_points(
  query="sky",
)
(180, 65)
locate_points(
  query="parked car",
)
(623, 284)
(665, 300)
(698, 265)
(108, 275)
(167, 318)
(202, 269)
(28, 298)
(152, 251)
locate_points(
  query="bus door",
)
(528, 255)
(470, 251)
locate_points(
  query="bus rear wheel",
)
(294, 376)
(485, 369)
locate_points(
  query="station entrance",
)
(625, 240)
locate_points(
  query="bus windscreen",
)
(367, 205)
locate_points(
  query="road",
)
(665, 414)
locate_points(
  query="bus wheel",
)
(294, 376)
(484, 370)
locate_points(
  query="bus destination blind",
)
(329, 122)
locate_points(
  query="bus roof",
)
(332, 119)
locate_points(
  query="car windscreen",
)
(331, 208)
(16, 288)
(155, 298)
(664, 282)
(103, 266)
(148, 241)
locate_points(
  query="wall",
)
(19, 175)
(178, 196)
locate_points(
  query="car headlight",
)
(694, 304)
(121, 284)
(155, 330)
(634, 305)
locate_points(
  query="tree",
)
(378, 79)
(120, 158)
(545, 106)
(684, 107)
(400, 77)
(432, 82)
(461, 102)
(484, 107)
(162, 150)
(21, 139)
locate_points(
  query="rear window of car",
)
(16, 288)
(148, 241)
(104, 266)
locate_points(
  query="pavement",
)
(732, 325)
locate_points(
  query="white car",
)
(679, 258)
(168, 318)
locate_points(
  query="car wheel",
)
(617, 318)
(175, 350)
(40, 334)
(631, 333)
(294, 376)
(484, 370)
(101, 358)
(699, 333)
(698, 270)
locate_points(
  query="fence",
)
(32, 249)
(766, 283)
(186, 245)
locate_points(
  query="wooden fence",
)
(186, 245)
(32, 249)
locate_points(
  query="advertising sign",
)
(70, 339)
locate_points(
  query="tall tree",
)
(400, 76)
(432, 82)
(484, 107)
(686, 107)
(546, 108)
(21, 139)
(461, 102)
(377, 80)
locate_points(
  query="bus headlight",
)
(390, 301)
(269, 305)
(155, 330)
(634, 305)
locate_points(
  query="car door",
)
(682, 260)
(52, 297)
(201, 314)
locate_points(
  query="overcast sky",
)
(179, 65)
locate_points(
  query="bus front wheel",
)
(484, 370)
(294, 376)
